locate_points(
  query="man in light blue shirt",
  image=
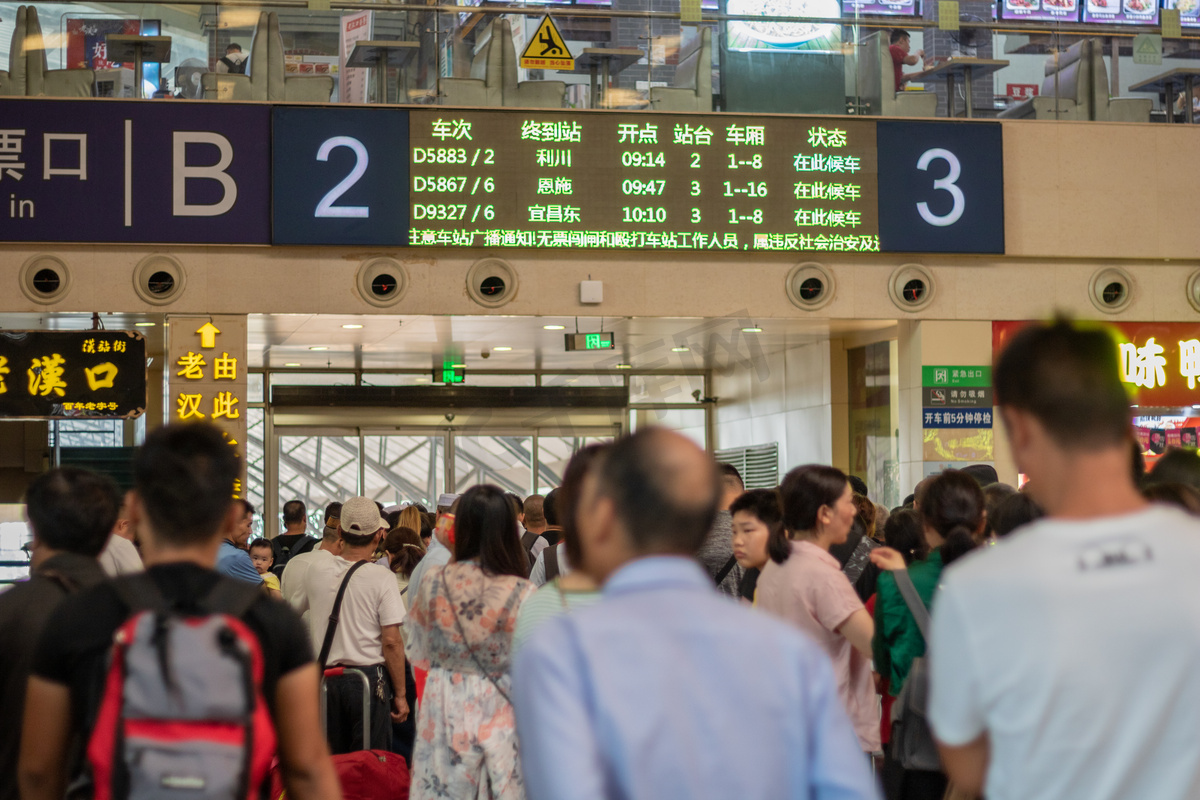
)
(232, 560)
(665, 689)
(438, 554)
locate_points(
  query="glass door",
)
(404, 467)
(317, 467)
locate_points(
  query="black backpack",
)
(235, 67)
(285, 552)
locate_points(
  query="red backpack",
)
(181, 712)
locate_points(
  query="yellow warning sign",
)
(547, 50)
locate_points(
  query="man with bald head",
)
(664, 688)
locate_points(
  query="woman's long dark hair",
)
(765, 506)
(485, 528)
(404, 550)
(904, 532)
(568, 497)
(805, 490)
(953, 505)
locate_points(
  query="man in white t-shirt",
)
(367, 635)
(293, 583)
(120, 556)
(1064, 661)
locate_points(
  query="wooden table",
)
(379, 55)
(1165, 85)
(601, 63)
(954, 69)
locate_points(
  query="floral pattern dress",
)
(466, 734)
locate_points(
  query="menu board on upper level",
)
(1121, 12)
(1189, 11)
(638, 181)
(1049, 10)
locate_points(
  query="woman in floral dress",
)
(460, 628)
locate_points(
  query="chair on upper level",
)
(877, 81)
(28, 75)
(266, 77)
(691, 89)
(1075, 87)
(484, 86)
(524, 94)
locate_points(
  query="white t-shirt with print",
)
(1075, 645)
(372, 602)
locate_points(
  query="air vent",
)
(758, 465)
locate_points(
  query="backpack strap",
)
(725, 570)
(550, 554)
(916, 606)
(231, 597)
(331, 628)
(140, 593)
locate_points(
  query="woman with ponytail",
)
(810, 590)
(952, 516)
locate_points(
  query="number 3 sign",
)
(941, 187)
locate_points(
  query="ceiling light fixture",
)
(144, 324)
(752, 329)
(502, 349)
(680, 349)
(292, 364)
(319, 347)
(624, 366)
(351, 327)
(554, 327)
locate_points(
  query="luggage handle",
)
(335, 672)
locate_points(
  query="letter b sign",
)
(941, 187)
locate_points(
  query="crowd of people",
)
(649, 629)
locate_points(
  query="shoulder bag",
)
(912, 741)
(334, 614)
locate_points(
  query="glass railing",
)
(742, 56)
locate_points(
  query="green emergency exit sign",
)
(590, 341)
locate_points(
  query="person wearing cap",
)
(291, 579)
(439, 551)
(367, 634)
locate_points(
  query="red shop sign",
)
(1159, 361)
(1021, 91)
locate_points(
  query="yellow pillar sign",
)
(546, 49)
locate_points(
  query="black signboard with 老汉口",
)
(72, 374)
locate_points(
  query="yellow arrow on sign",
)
(208, 335)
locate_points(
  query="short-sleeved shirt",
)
(898, 57)
(1075, 647)
(233, 562)
(811, 591)
(74, 647)
(271, 581)
(898, 640)
(120, 557)
(371, 603)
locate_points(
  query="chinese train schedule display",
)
(642, 181)
(72, 374)
(250, 173)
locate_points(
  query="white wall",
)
(783, 397)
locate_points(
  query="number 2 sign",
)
(340, 176)
(941, 187)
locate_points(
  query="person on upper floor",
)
(899, 47)
(232, 559)
(120, 555)
(563, 589)
(70, 512)
(460, 629)
(758, 535)
(665, 688)
(181, 509)
(952, 518)
(716, 554)
(1063, 660)
(811, 591)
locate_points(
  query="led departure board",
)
(637, 181)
